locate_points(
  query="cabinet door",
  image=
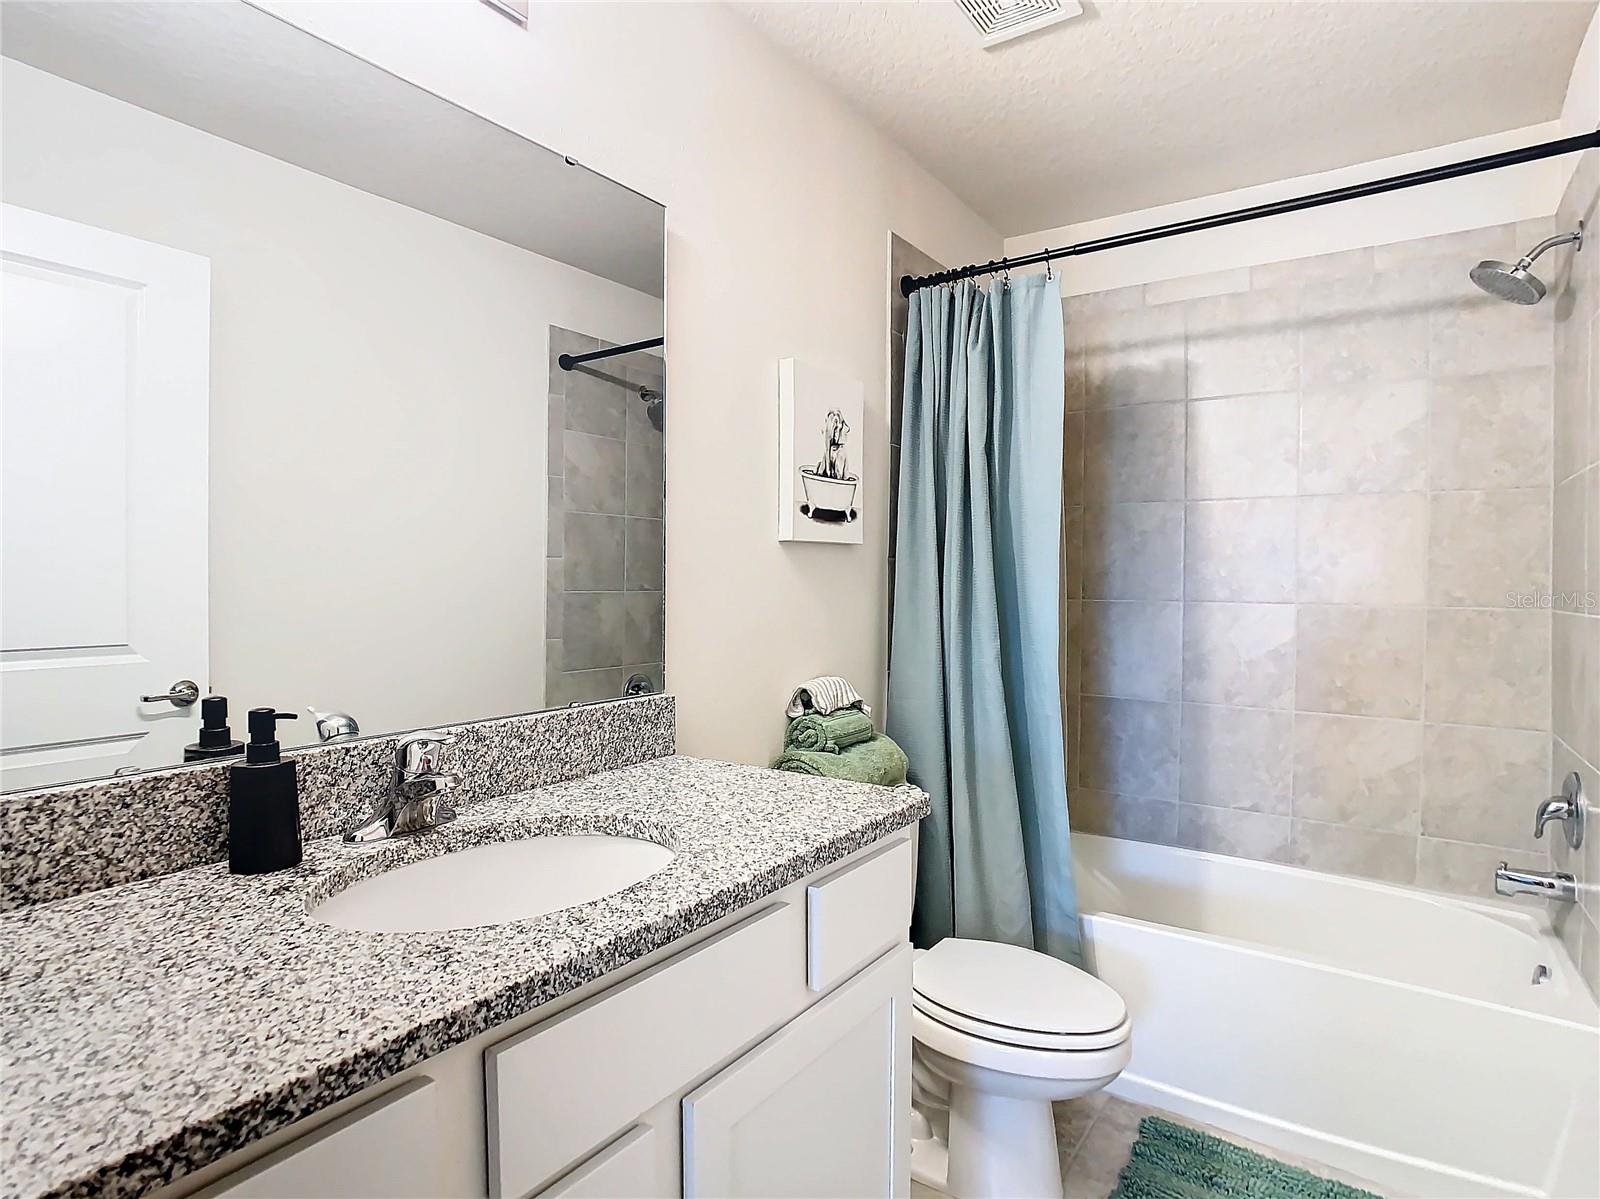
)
(818, 1109)
(634, 1166)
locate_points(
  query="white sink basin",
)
(493, 884)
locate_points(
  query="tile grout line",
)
(1427, 618)
(1294, 657)
(1183, 595)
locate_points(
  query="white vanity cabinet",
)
(572, 1082)
(818, 1108)
(766, 1055)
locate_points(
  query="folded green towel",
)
(831, 733)
(878, 761)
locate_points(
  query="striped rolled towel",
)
(823, 694)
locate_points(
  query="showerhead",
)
(655, 407)
(1505, 281)
(1516, 282)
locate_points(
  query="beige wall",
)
(1312, 537)
(779, 204)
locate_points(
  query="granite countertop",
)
(153, 1027)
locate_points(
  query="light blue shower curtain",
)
(974, 689)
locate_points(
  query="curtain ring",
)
(1048, 275)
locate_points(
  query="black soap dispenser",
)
(216, 738)
(263, 802)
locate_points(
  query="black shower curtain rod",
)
(567, 361)
(1472, 166)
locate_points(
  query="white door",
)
(817, 1110)
(104, 367)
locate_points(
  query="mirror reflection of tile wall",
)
(604, 616)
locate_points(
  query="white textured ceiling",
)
(1138, 104)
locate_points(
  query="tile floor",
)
(1095, 1133)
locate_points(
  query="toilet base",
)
(930, 1163)
(998, 1148)
(994, 1140)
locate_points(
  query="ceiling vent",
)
(1001, 20)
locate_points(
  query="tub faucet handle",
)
(1568, 807)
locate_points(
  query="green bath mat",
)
(1170, 1161)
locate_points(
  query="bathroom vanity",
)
(616, 971)
(736, 1022)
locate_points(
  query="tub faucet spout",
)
(1547, 884)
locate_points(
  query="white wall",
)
(779, 201)
(1521, 193)
(1580, 112)
(378, 422)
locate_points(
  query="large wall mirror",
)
(283, 413)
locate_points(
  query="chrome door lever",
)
(184, 692)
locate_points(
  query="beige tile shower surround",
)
(1575, 542)
(1309, 567)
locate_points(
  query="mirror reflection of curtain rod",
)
(1489, 162)
(567, 361)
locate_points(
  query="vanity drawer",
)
(856, 913)
(385, 1149)
(563, 1087)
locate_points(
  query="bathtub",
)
(1387, 1031)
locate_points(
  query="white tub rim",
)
(1536, 924)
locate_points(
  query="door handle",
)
(184, 692)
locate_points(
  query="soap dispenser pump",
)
(216, 738)
(263, 802)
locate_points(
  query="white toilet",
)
(999, 1032)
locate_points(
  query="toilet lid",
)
(1009, 987)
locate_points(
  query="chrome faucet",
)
(417, 788)
(1546, 884)
(334, 726)
(1569, 808)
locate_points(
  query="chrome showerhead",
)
(655, 407)
(1505, 281)
(1516, 282)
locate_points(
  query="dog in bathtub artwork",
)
(829, 487)
(821, 455)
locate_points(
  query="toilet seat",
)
(1026, 1061)
(1020, 1037)
(1016, 996)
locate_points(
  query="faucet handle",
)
(419, 752)
(1568, 807)
(1554, 808)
